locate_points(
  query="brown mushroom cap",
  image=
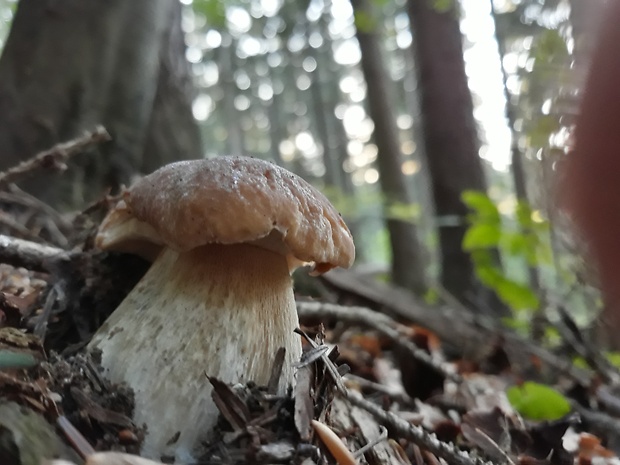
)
(229, 200)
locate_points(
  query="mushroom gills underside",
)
(218, 310)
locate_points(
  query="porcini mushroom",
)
(224, 235)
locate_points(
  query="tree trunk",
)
(450, 140)
(70, 65)
(407, 258)
(516, 155)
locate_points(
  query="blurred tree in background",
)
(450, 139)
(408, 263)
(397, 109)
(67, 66)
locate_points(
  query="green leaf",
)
(523, 213)
(443, 6)
(519, 325)
(11, 360)
(517, 295)
(489, 275)
(482, 236)
(403, 211)
(538, 402)
(516, 243)
(613, 358)
(550, 47)
(542, 129)
(365, 22)
(431, 296)
(213, 10)
(580, 362)
(482, 205)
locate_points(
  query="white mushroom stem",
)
(219, 310)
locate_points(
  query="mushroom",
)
(224, 236)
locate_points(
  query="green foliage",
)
(444, 6)
(551, 61)
(482, 204)
(356, 205)
(482, 235)
(432, 297)
(403, 211)
(538, 402)
(613, 358)
(213, 10)
(522, 237)
(550, 46)
(542, 128)
(365, 21)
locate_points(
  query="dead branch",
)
(381, 323)
(396, 395)
(55, 157)
(57, 225)
(453, 324)
(599, 422)
(27, 254)
(416, 434)
(15, 227)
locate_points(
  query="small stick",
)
(329, 365)
(393, 394)
(15, 227)
(27, 254)
(79, 442)
(383, 436)
(416, 434)
(55, 157)
(383, 324)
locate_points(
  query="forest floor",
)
(398, 381)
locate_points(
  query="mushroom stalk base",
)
(219, 310)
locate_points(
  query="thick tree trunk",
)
(173, 133)
(70, 65)
(407, 258)
(450, 140)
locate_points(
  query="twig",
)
(383, 436)
(55, 157)
(20, 196)
(453, 323)
(600, 421)
(27, 254)
(15, 227)
(393, 394)
(416, 434)
(383, 324)
(329, 365)
(55, 294)
(79, 442)
(581, 344)
(56, 224)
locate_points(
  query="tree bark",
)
(70, 65)
(450, 140)
(407, 257)
(516, 155)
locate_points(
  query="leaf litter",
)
(386, 386)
